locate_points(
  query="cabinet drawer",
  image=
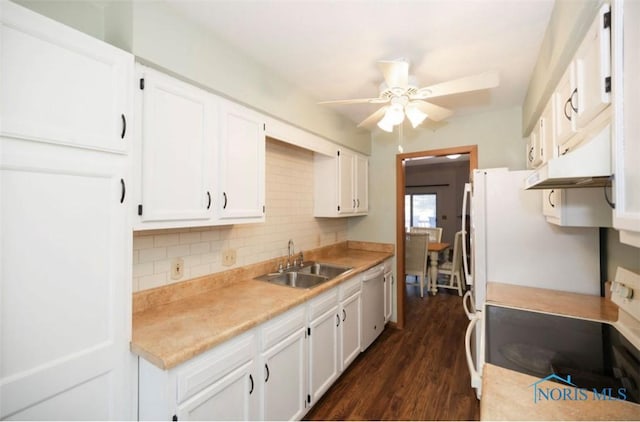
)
(281, 327)
(323, 303)
(215, 364)
(350, 287)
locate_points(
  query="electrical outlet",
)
(177, 268)
(228, 257)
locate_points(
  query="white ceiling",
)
(330, 48)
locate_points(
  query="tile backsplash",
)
(289, 215)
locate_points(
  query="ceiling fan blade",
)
(396, 73)
(433, 112)
(374, 118)
(455, 86)
(357, 101)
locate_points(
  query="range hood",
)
(588, 166)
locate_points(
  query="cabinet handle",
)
(338, 320)
(251, 379)
(124, 126)
(354, 203)
(575, 92)
(358, 203)
(567, 115)
(266, 367)
(209, 203)
(531, 154)
(551, 203)
(344, 315)
(224, 194)
(124, 190)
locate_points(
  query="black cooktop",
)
(574, 352)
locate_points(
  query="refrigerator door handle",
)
(467, 299)
(476, 378)
(465, 253)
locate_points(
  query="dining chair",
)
(453, 269)
(415, 258)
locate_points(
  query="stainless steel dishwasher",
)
(372, 305)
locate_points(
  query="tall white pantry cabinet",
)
(65, 253)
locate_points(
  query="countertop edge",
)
(171, 360)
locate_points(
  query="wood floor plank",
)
(419, 373)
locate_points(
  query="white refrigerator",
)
(508, 240)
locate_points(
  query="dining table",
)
(434, 249)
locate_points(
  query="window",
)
(420, 210)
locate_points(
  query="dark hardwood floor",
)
(419, 373)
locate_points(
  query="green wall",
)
(500, 144)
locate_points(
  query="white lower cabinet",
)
(284, 361)
(350, 321)
(324, 322)
(220, 384)
(277, 371)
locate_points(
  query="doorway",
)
(401, 193)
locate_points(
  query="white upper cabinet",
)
(566, 107)
(547, 137)
(585, 207)
(177, 150)
(361, 184)
(593, 69)
(341, 184)
(61, 86)
(585, 88)
(626, 128)
(241, 164)
(200, 159)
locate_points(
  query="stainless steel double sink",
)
(310, 274)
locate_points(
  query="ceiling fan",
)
(402, 97)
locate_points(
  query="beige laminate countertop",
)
(508, 395)
(167, 334)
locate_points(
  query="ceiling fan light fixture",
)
(385, 124)
(415, 115)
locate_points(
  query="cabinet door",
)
(346, 198)
(361, 183)
(536, 158)
(65, 315)
(593, 69)
(388, 296)
(229, 399)
(350, 326)
(241, 163)
(285, 366)
(551, 202)
(547, 141)
(566, 107)
(323, 352)
(576, 207)
(178, 137)
(626, 123)
(61, 86)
